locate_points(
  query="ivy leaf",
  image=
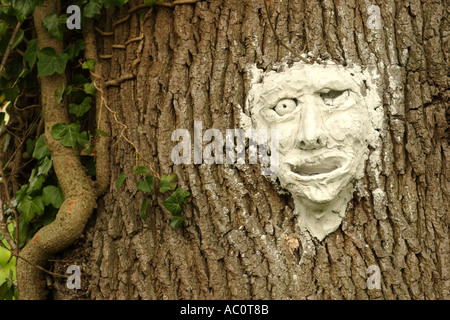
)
(36, 182)
(90, 88)
(29, 208)
(49, 62)
(31, 53)
(52, 195)
(176, 221)
(3, 27)
(168, 182)
(118, 3)
(120, 180)
(140, 170)
(40, 148)
(175, 202)
(70, 138)
(52, 23)
(61, 92)
(84, 139)
(23, 8)
(11, 93)
(5, 40)
(74, 50)
(45, 166)
(102, 133)
(68, 134)
(21, 192)
(91, 9)
(7, 141)
(145, 185)
(150, 2)
(89, 64)
(80, 109)
(143, 210)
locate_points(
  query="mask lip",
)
(324, 166)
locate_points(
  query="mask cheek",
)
(286, 140)
(344, 126)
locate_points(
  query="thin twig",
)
(10, 44)
(35, 265)
(124, 126)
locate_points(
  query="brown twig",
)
(9, 47)
(34, 265)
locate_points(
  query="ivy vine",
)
(36, 203)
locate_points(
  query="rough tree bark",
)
(239, 240)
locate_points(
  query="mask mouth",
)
(318, 167)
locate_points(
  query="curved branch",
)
(79, 196)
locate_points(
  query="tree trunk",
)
(240, 239)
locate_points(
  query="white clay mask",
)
(324, 127)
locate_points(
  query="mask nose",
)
(310, 134)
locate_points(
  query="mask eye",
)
(334, 97)
(285, 106)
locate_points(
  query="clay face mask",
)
(324, 130)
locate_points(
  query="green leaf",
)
(3, 27)
(140, 170)
(49, 62)
(11, 93)
(120, 180)
(84, 142)
(5, 40)
(168, 182)
(68, 134)
(145, 185)
(23, 8)
(57, 129)
(21, 192)
(151, 2)
(52, 195)
(118, 3)
(102, 133)
(40, 149)
(29, 208)
(176, 221)
(31, 52)
(143, 210)
(90, 88)
(74, 50)
(6, 143)
(89, 64)
(59, 94)
(91, 9)
(35, 183)
(80, 109)
(175, 202)
(45, 166)
(52, 23)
